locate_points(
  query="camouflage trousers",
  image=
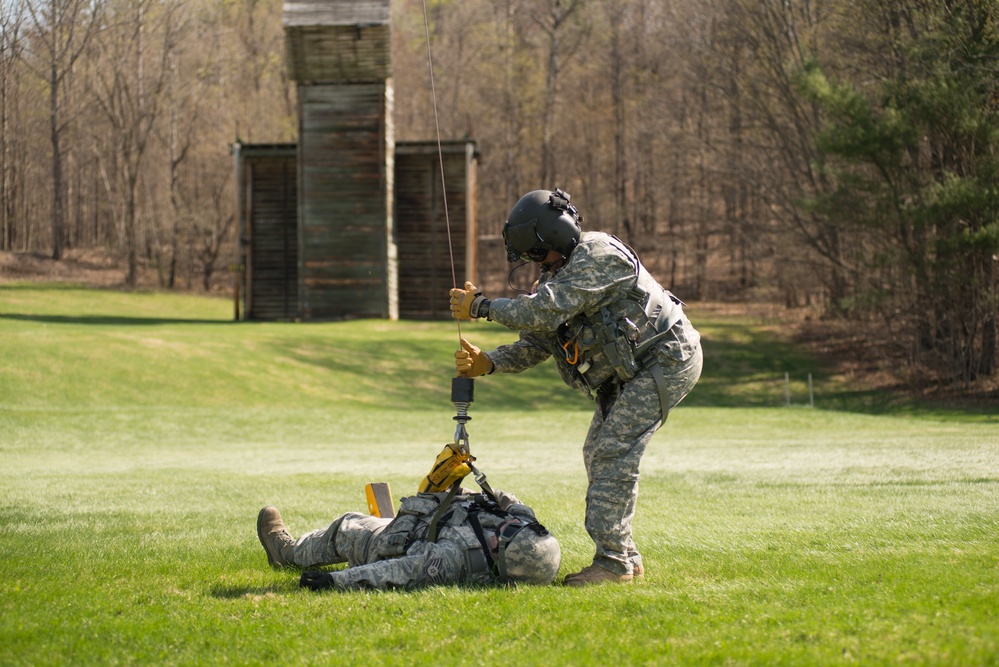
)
(622, 425)
(351, 539)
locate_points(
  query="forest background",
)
(833, 156)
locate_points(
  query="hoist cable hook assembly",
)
(462, 388)
(462, 395)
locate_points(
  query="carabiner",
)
(575, 352)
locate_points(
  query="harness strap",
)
(480, 535)
(441, 509)
(657, 375)
(645, 346)
(664, 323)
(480, 479)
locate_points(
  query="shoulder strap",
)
(627, 250)
(441, 509)
(480, 479)
(480, 535)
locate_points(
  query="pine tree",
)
(915, 163)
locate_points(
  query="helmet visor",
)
(522, 241)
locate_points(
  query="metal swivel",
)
(462, 395)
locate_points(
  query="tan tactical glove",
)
(451, 465)
(468, 303)
(471, 361)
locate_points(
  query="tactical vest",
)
(615, 341)
(480, 512)
(468, 517)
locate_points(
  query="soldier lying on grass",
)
(478, 538)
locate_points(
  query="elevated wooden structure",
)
(339, 52)
(267, 181)
(354, 254)
(338, 40)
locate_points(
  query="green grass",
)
(141, 433)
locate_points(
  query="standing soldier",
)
(615, 333)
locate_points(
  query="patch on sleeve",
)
(435, 570)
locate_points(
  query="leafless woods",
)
(833, 153)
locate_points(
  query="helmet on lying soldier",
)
(528, 553)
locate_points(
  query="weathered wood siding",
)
(422, 228)
(339, 53)
(270, 232)
(347, 262)
(338, 40)
(335, 12)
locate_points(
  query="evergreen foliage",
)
(913, 170)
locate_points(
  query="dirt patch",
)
(88, 268)
(860, 356)
(93, 268)
(866, 359)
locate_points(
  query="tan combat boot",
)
(279, 545)
(594, 574)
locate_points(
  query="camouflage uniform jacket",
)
(599, 272)
(401, 556)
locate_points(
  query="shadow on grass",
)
(238, 592)
(108, 320)
(409, 365)
(416, 374)
(745, 366)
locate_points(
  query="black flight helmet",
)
(541, 221)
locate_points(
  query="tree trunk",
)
(621, 220)
(131, 236)
(58, 222)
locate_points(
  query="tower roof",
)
(303, 13)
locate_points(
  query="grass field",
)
(141, 433)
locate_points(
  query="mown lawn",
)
(141, 433)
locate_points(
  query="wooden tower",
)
(348, 223)
(338, 51)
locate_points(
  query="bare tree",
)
(11, 20)
(213, 225)
(63, 29)
(129, 90)
(778, 40)
(555, 24)
(179, 140)
(516, 98)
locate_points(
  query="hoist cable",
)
(440, 158)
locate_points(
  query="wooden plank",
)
(272, 230)
(338, 54)
(339, 12)
(421, 225)
(345, 258)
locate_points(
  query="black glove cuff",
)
(479, 307)
(317, 581)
